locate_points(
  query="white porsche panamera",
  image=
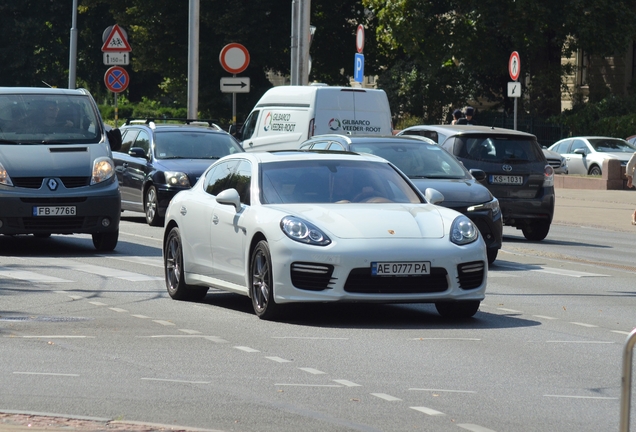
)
(289, 227)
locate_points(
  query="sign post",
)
(116, 52)
(358, 60)
(514, 88)
(234, 58)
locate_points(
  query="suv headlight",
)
(303, 232)
(176, 178)
(103, 169)
(492, 205)
(463, 231)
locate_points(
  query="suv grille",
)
(361, 281)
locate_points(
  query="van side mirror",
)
(114, 139)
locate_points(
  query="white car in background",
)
(585, 154)
(300, 226)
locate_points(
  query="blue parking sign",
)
(358, 68)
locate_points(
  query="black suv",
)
(157, 160)
(429, 166)
(518, 173)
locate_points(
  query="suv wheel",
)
(536, 230)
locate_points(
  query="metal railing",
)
(626, 382)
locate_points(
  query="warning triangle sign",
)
(116, 41)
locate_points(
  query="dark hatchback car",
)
(157, 160)
(517, 172)
(429, 166)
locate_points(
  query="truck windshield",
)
(48, 118)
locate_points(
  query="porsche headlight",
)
(463, 231)
(303, 232)
(176, 178)
(492, 205)
(103, 170)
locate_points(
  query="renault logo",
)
(507, 168)
(52, 184)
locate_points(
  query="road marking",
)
(509, 310)
(458, 339)
(580, 342)
(215, 339)
(149, 261)
(442, 390)
(313, 371)
(164, 323)
(549, 270)
(76, 297)
(56, 337)
(45, 373)
(31, 276)
(308, 385)
(176, 381)
(583, 324)
(386, 397)
(246, 349)
(278, 359)
(492, 274)
(192, 332)
(96, 303)
(474, 427)
(101, 271)
(310, 338)
(581, 397)
(117, 309)
(347, 383)
(141, 316)
(428, 411)
(621, 332)
(544, 317)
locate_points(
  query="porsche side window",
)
(218, 178)
(241, 181)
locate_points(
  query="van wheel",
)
(151, 206)
(536, 230)
(595, 171)
(105, 242)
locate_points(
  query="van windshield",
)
(48, 118)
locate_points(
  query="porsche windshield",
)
(52, 119)
(333, 181)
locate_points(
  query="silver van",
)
(57, 174)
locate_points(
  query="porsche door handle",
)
(215, 220)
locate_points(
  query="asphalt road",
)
(95, 336)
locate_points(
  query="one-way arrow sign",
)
(235, 85)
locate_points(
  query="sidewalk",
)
(607, 209)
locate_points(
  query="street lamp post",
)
(72, 62)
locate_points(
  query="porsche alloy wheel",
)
(173, 266)
(262, 283)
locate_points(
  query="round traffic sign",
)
(514, 65)
(360, 38)
(116, 79)
(234, 58)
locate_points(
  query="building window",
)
(582, 66)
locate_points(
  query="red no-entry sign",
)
(234, 58)
(116, 79)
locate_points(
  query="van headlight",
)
(4, 177)
(463, 231)
(103, 169)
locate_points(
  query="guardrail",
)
(626, 382)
